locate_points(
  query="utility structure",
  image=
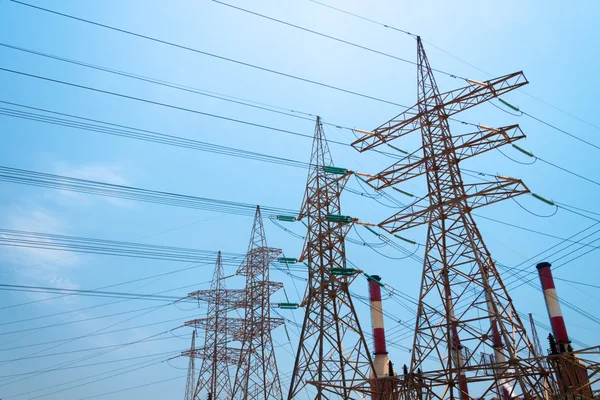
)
(570, 372)
(257, 376)
(332, 353)
(464, 308)
(190, 384)
(383, 378)
(216, 356)
(559, 328)
(535, 338)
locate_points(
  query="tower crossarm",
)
(264, 255)
(232, 298)
(451, 103)
(464, 146)
(475, 196)
(228, 355)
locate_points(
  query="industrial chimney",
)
(383, 378)
(557, 321)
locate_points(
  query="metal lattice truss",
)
(236, 328)
(190, 383)
(464, 146)
(230, 298)
(213, 376)
(464, 309)
(332, 346)
(257, 376)
(446, 105)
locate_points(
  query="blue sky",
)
(554, 44)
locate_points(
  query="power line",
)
(157, 103)
(369, 49)
(179, 141)
(78, 122)
(236, 100)
(457, 58)
(172, 44)
(262, 68)
(19, 238)
(92, 293)
(40, 179)
(29, 345)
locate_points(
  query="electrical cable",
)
(369, 49)
(453, 56)
(189, 89)
(11, 237)
(161, 104)
(145, 135)
(40, 179)
(265, 69)
(172, 44)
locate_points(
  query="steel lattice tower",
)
(332, 352)
(257, 376)
(190, 385)
(216, 355)
(464, 308)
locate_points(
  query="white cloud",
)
(38, 265)
(94, 172)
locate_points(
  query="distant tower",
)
(216, 355)
(332, 354)
(452, 323)
(535, 338)
(190, 386)
(257, 376)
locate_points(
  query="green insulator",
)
(342, 271)
(373, 279)
(372, 230)
(507, 104)
(286, 218)
(397, 149)
(335, 170)
(339, 218)
(405, 239)
(403, 192)
(523, 150)
(287, 260)
(288, 306)
(540, 198)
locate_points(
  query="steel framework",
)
(464, 308)
(332, 353)
(190, 385)
(257, 376)
(216, 355)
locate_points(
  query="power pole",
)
(190, 386)
(257, 376)
(217, 357)
(464, 308)
(535, 338)
(332, 354)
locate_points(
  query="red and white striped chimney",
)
(559, 329)
(382, 389)
(378, 329)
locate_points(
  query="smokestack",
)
(557, 321)
(381, 359)
(382, 366)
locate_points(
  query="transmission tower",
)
(535, 338)
(217, 357)
(332, 353)
(257, 376)
(464, 308)
(190, 386)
